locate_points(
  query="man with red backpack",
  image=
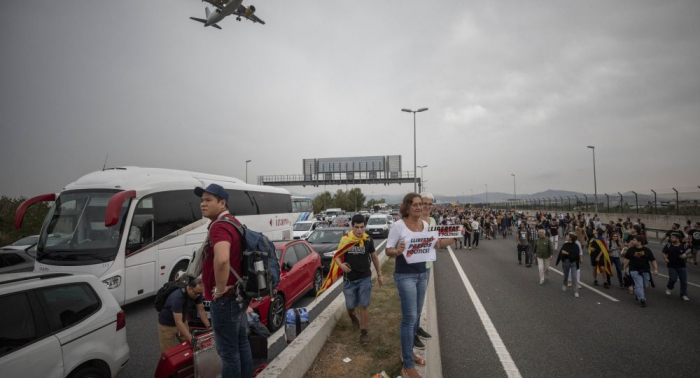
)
(223, 254)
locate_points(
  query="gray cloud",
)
(512, 87)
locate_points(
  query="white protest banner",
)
(447, 232)
(420, 247)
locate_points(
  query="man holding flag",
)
(600, 258)
(352, 259)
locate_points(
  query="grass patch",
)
(384, 330)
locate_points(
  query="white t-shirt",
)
(399, 232)
(475, 226)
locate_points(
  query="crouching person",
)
(172, 322)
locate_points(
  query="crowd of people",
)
(620, 244)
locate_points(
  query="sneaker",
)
(579, 286)
(606, 285)
(643, 303)
(355, 321)
(417, 343)
(469, 248)
(685, 298)
(423, 335)
(542, 282)
(668, 292)
(568, 284)
(528, 265)
(576, 295)
(563, 288)
(364, 337)
(595, 283)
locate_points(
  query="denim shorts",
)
(357, 292)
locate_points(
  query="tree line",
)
(31, 225)
(349, 200)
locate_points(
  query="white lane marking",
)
(689, 283)
(280, 332)
(588, 287)
(501, 350)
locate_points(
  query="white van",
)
(378, 225)
(332, 213)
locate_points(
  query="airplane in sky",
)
(226, 8)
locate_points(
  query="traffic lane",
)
(142, 332)
(532, 318)
(465, 349)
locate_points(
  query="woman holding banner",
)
(411, 276)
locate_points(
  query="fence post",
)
(621, 210)
(586, 197)
(678, 204)
(569, 202)
(636, 201)
(608, 197)
(654, 201)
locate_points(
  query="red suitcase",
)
(176, 362)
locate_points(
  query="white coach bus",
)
(136, 228)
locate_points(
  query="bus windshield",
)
(301, 204)
(74, 232)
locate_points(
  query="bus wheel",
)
(179, 269)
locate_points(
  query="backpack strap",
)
(241, 232)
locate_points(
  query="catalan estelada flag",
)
(348, 241)
(607, 263)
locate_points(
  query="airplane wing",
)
(244, 12)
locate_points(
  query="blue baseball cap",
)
(213, 189)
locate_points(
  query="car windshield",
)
(326, 236)
(302, 226)
(377, 221)
(74, 232)
(29, 240)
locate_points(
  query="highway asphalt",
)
(549, 333)
(142, 332)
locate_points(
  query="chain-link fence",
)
(676, 201)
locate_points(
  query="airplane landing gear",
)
(238, 18)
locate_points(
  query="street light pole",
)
(487, 194)
(595, 184)
(246, 170)
(415, 166)
(421, 177)
(515, 196)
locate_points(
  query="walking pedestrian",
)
(523, 244)
(476, 233)
(675, 256)
(545, 252)
(531, 239)
(600, 261)
(615, 249)
(638, 261)
(554, 232)
(467, 228)
(570, 256)
(223, 255)
(694, 236)
(357, 274)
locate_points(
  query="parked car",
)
(303, 229)
(60, 325)
(17, 260)
(300, 273)
(325, 243)
(341, 221)
(378, 225)
(24, 243)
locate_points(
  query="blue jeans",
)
(641, 280)
(357, 292)
(617, 263)
(673, 275)
(229, 322)
(412, 287)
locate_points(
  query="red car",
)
(301, 272)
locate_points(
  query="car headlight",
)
(113, 282)
(306, 235)
(329, 254)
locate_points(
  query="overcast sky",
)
(513, 87)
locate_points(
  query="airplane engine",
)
(249, 11)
